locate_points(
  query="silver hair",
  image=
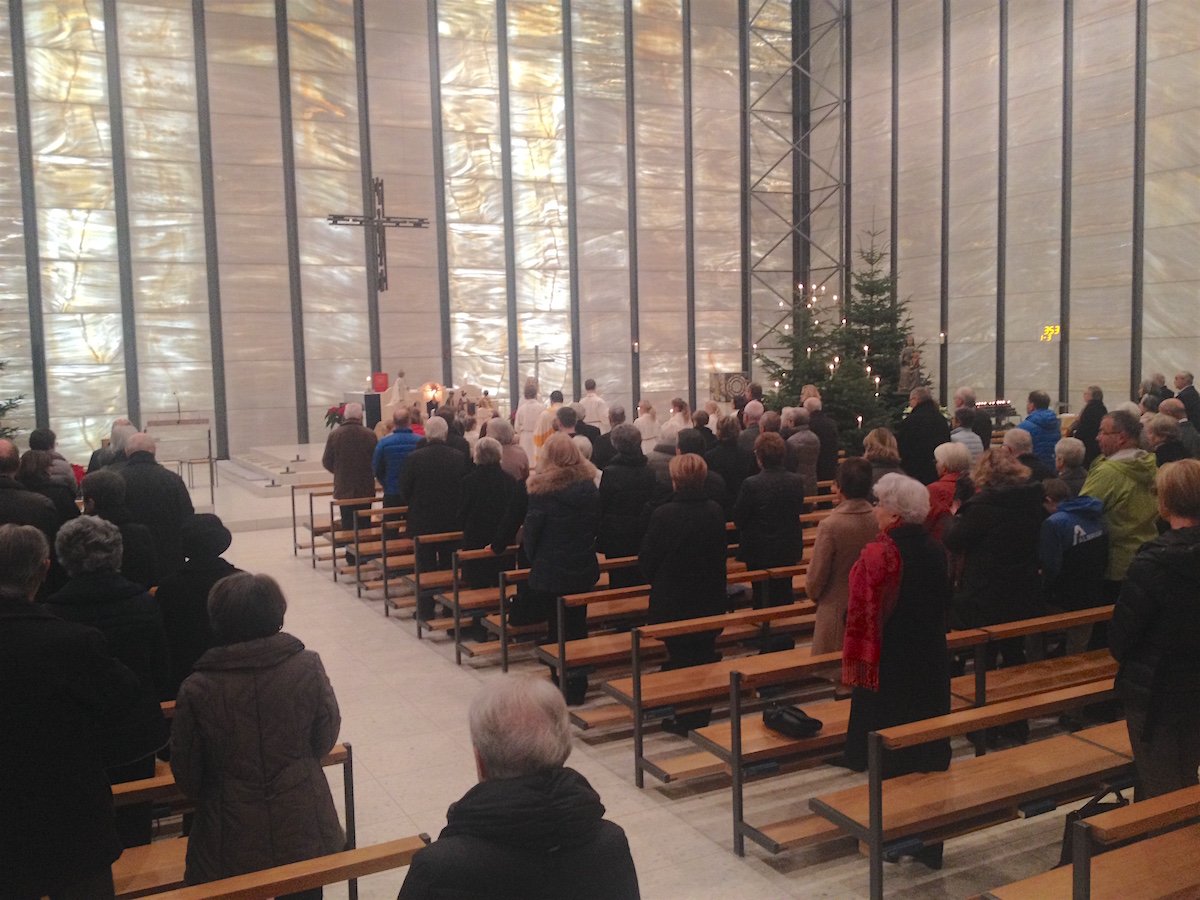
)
(1018, 439)
(487, 451)
(436, 429)
(616, 414)
(907, 497)
(140, 442)
(519, 727)
(1163, 426)
(626, 438)
(813, 404)
(752, 412)
(89, 544)
(953, 457)
(800, 417)
(501, 429)
(583, 444)
(787, 417)
(966, 395)
(352, 411)
(122, 431)
(919, 395)
(23, 554)
(1071, 451)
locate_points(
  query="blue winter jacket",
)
(1073, 550)
(390, 455)
(1043, 427)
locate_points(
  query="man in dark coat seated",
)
(531, 828)
(104, 496)
(919, 434)
(158, 498)
(69, 710)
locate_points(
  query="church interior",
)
(224, 218)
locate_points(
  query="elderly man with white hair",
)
(349, 450)
(1069, 455)
(158, 498)
(115, 451)
(752, 412)
(826, 430)
(981, 423)
(1019, 443)
(1187, 430)
(531, 827)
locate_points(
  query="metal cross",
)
(380, 222)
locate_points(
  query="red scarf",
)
(874, 590)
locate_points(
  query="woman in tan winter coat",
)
(840, 538)
(251, 725)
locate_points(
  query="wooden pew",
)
(898, 814)
(431, 580)
(158, 866)
(348, 865)
(297, 544)
(1156, 867)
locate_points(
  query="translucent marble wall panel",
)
(1171, 336)
(1102, 211)
(251, 231)
(974, 114)
(1034, 201)
(716, 197)
(919, 176)
(475, 220)
(662, 294)
(15, 348)
(870, 127)
(328, 179)
(169, 274)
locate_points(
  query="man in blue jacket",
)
(390, 455)
(1043, 426)
(1074, 554)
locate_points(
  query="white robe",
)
(528, 413)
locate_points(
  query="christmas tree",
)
(7, 406)
(850, 349)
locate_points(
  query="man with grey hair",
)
(1068, 460)
(390, 455)
(158, 498)
(981, 424)
(921, 431)
(104, 496)
(349, 450)
(512, 458)
(602, 449)
(826, 430)
(114, 452)
(430, 486)
(18, 504)
(803, 448)
(963, 432)
(751, 414)
(1174, 408)
(1019, 443)
(1162, 434)
(77, 711)
(1185, 393)
(531, 826)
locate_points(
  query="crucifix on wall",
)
(380, 221)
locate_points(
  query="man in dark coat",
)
(1087, 425)
(919, 434)
(826, 430)
(981, 424)
(767, 513)
(531, 827)
(1174, 408)
(158, 498)
(487, 492)
(1187, 395)
(104, 496)
(591, 432)
(602, 448)
(430, 485)
(626, 486)
(730, 461)
(348, 453)
(76, 710)
(18, 504)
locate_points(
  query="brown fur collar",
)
(558, 478)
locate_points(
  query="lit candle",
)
(777, 384)
(810, 352)
(876, 381)
(823, 291)
(866, 349)
(859, 421)
(831, 368)
(837, 360)
(754, 346)
(868, 370)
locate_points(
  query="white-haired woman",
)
(1070, 456)
(953, 461)
(486, 493)
(894, 651)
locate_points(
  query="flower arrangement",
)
(335, 415)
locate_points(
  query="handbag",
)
(791, 721)
(1093, 807)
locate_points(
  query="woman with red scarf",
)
(894, 653)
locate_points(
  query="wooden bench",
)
(297, 545)
(897, 815)
(158, 866)
(1163, 866)
(349, 865)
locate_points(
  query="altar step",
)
(267, 471)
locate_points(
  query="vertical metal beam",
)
(439, 197)
(944, 288)
(291, 223)
(894, 226)
(572, 198)
(510, 240)
(1002, 200)
(631, 203)
(1064, 237)
(368, 193)
(208, 199)
(847, 134)
(116, 112)
(689, 204)
(801, 147)
(33, 268)
(744, 176)
(1139, 202)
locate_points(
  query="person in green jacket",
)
(1122, 478)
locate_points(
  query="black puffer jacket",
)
(251, 725)
(128, 617)
(560, 533)
(996, 532)
(538, 836)
(626, 486)
(1155, 629)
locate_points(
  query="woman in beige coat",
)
(840, 538)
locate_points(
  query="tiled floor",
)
(404, 705)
